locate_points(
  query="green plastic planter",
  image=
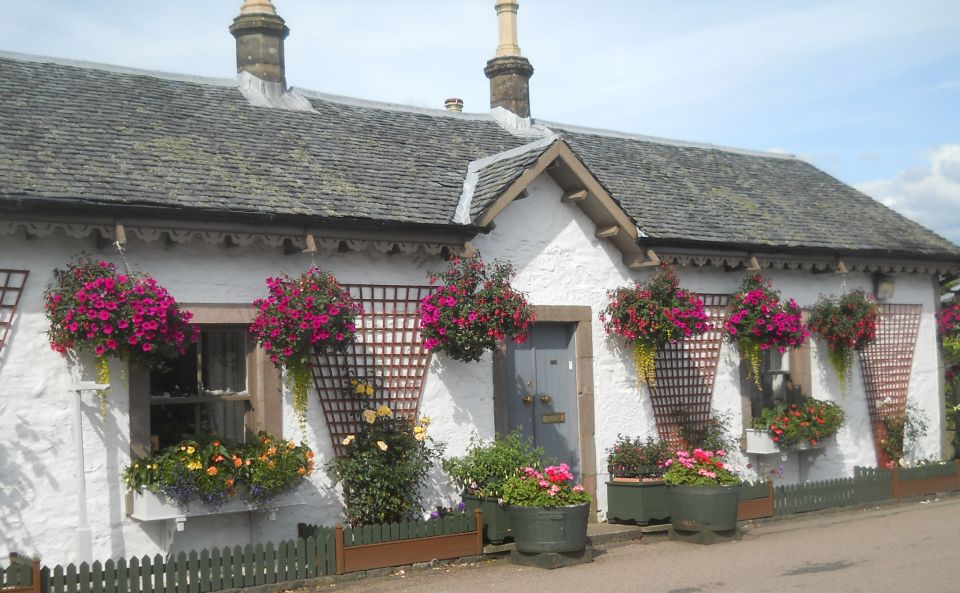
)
(704, 508)
(637, 502)
(496, 519)
(550, 529)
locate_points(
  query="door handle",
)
(546, 399)
(527, 400)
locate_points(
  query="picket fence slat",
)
(205, 569)
(270, 562)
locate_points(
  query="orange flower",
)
(229, 482)
(263, 458)
(212, 470)
(301, 470)
(218, 458)
(237, 462)
(309, 454)
(272, 451)
(271, 465)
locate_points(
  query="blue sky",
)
(867, 90)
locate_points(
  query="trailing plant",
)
(808, 422)
(846, 324)
(93, 308)
(901, 430)
(385, 464)
(473, 309)
(487, 465)
(760, 321)
(301, 316)
(699, 468)
(211, 470)
(637, 458)
(652, 314)
(553, 487)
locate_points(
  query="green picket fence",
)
(868, 485)
(17, 576)
(392, 532)
(207, 571)
(933, 470)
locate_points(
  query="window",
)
(225, 385)
(783, 378)
(203, 392)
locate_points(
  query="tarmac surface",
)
(910, 547)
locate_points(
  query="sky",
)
(868, 91)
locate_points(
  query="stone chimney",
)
(509, 72)
(260, 32)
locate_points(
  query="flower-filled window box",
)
(473, 309)
(195, 478)
(795, 427)
(652, 314)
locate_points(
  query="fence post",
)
(479, 515)
(895, 473)
(341, 558)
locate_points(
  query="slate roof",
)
(495, 177)
(101, 138)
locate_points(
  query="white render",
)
(559, 262)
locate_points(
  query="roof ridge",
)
(386, 105)
(666, 141)
(115, 69)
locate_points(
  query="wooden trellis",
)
(388, 352)
(11, 288)
(886, 365)
(685, 372)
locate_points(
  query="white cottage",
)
(213, 185)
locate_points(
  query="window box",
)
(759, 442)
(150, 506)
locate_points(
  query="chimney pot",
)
(509, 72)
(260, 32)
(454, 104)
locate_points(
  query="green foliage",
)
(486, 466)
(713, 435)
(211, 470)
(807, 422)
(385, 464)
(699, 468)
(553, 487)
(632, 458)
(902, 429)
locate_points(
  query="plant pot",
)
(150, 506)
(496, 519)
(550, 529)
(637, 502)
(704, 508)
(759, 442)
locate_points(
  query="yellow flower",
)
(385, 411)
(420, 436)
(370, 416)
(194, 465)
(369, 389)
(190, 450)
(382, 445)
(419, 429)
(425, 420)
(354, 381)
(348, 440)
(361, 388)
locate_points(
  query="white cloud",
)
(929, 195)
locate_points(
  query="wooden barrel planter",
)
(710, 509)
(637, 502)
(550, 529)
(496, 519)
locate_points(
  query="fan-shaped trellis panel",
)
(685, 373)
(11, 288)
(886, 365)
(388, 351)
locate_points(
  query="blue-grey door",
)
(543, 391)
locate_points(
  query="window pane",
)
(224, 360)
(179, 378)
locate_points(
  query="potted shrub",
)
(482, 471)
(759, 320)
(205, 476)
(796, 426)
(91, 307)
(847, 324)
(704, 494)
(547, 511)
(652, 314)
(636, 492)
(385, 466)
(299, 317)
(473, 309)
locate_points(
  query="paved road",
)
(907, 548)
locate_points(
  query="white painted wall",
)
(559, 262)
